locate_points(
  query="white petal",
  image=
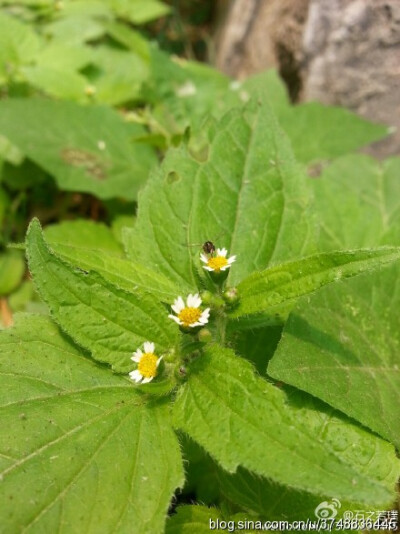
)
(175, 318)
(225, 267)
(137, 355)
(189, 300)
(148, 347)
(146, 380)
(204, 316)
(203, 258)
(195, 324)
(159, 360)
(135, 375)
(231, 259)
(207, 268)
(178, 305)
(222, 252)
(195, 301)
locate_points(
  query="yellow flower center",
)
(148, 365)
(189, 316)
(217, 263)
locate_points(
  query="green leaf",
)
(132, 40)
(93, 247)
(248, 196)
(121, 75)
(85, 148)
(124, 274)
(18, 46)
(12, 268)
(189, 519)
(58, 82)
(267, 499)
(266, 85)
(83, 234)
(108, 321)
(319, 132)
(341, 345)
(275, 290)
(243, 420)
(355, 189)
(139, 11)
(81, 451)
(75, 29)
(10, 152)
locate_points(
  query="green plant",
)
(92, 451)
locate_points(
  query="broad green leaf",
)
(352, 191)
(139, 11)
(108, 321)
(57, 82)
(10, 152)
(83, 234)
(18, 46)
(271, 501)
(81, 451)
(243, 420)
(124, 274)
(248, 196)
(12, 268)
(58, 55)
(87, 8)
(121, 75)
(131, 39)
(75, 30)
(189, 519)
(342, 345)
(319, 132)
(266, 85)
(275, 290)
(85, 148)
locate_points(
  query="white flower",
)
(191, 314)
(219, 262)
(147, 364)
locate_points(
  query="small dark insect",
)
(209, 247)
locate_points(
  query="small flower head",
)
(189, 315)
(219, 262)
(147, 364)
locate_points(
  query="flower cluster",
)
(188, 315)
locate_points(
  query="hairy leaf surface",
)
(248, 195)
(108, 321)
(276, 289)
(81, 451)
(243, 420)
(342, 345)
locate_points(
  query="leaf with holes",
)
(248, 196)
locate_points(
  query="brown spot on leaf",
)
(95, 166)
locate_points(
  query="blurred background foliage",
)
(92, 94)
